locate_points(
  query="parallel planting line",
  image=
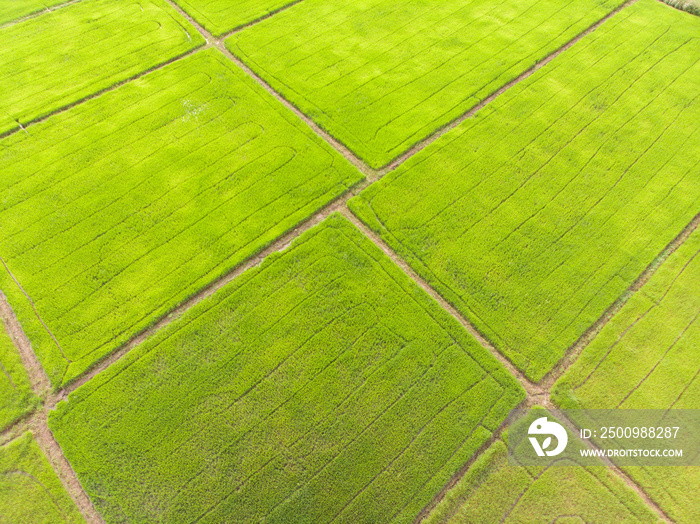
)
(131, 37)
(37, 425)
(31, 302)
(97, 94)
(37, 376)
(279, 245)
(573, 428)
(439, 327)
(533, 389)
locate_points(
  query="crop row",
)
(497, 490)
(648, 357)
(30, 491)
(221, 16)
(16, 397)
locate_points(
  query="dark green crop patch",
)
(534, 216)
(321, 386)
(116, 211)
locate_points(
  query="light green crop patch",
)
(30, 491)
(493, 490)
(648, 357)
(381, 76)
(221, 16)
(59, 58)
(14, 9)
(16, 396)
(116, 211)
(323, 385)
(534, 216)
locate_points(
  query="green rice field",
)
(552, 200)
(30, 492)
(647, 357)
(320, 261)
(119, 209)
(16, 396)
(12, 10)
(221, 16)
(59, 58)
(269, 400)
(380, 76)
(493, 490)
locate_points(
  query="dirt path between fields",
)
(530, 387)
(37, 424)
(279, 245)
(37, 376)
(40, 429)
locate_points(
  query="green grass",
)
(534, 216)
(13, 9)
(117, 210)
(16, 397)
(30, 491)
(493, 490)
(647, 357)
(221, 16)
(321, 386)
(59, 58)
(381, 76)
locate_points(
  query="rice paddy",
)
(296, 261)
(59, 58)
(16, 396)
(221, 16)
(648, 357)
(116, 211)
(30, 492)
(322, 386)
(534, 216)
(381, 76)
(493, 490)
(15, 9)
